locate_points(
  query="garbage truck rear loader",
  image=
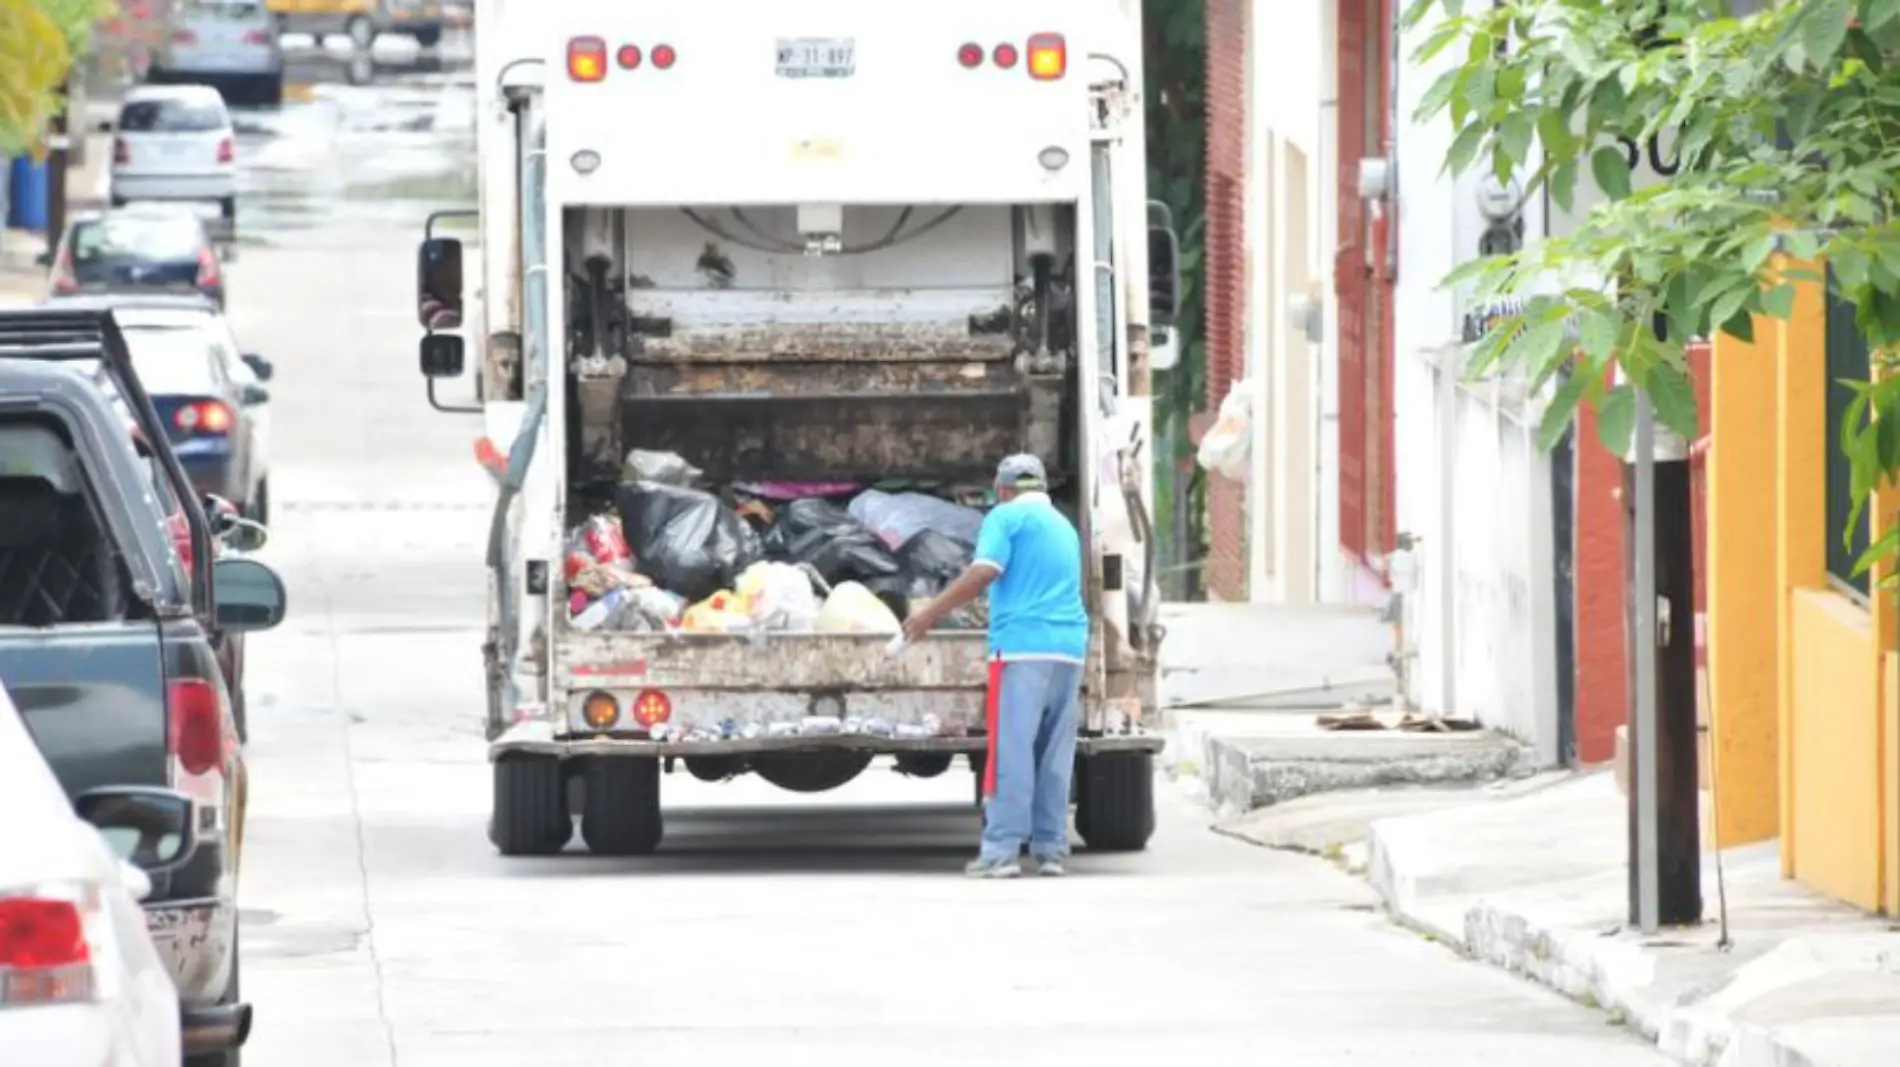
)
(838, 243)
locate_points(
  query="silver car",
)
(232, 44)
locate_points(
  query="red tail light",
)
(664, 56)
(628, 57)
(196, 710)
(970, 55)
(207, 417)
(121, 151)
(227, 151)
(586, 59)
(44, 957)
(1005, 56)
(257, 37)
(207, 268)
(184, 37)
(651, 708)
(1048, 56)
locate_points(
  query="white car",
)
(81, 984)
(232, 44)
(175, 143)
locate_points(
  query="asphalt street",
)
(380, 928)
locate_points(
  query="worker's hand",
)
(918, 625)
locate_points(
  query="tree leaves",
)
(1611, 169)
(33, 62)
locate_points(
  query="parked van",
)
(362, 20)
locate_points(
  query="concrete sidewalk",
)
(1536, 883)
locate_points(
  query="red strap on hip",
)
(992, 706)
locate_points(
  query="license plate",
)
(817, 57)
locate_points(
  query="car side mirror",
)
(250, 595)
(260, 366)
(219, 512)
(439, 283)
(252, 394)
(244, 535)
(442, 355)
(153, 829)
(1164, 276)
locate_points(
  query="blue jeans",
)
(1035, 757)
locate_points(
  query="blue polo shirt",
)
(1036, 607)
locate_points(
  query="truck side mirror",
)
(1164, 276)
(439, 283)
(441, 356)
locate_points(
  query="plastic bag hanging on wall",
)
(1228, 445)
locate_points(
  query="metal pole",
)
(1643, 734)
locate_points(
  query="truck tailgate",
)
(768, 661)
(93, 698)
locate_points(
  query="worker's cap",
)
(1021, 471)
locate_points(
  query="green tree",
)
(1786, 115)
(34, 56)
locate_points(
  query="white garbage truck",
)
(856, 247)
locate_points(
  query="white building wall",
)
(1472, 484)
(1290, 240)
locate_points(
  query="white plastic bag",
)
(853, 609)
(898, 517)
(1229, 443)
(778, 596)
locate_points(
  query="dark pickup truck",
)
(106, 637)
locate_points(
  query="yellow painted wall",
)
(1890, 803)
(1838, 781)
(1743, 694)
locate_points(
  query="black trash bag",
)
(823, 534)
(932, 561)
(686, 540)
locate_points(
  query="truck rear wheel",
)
(620, 814)
(530, 816)
(1115, 801)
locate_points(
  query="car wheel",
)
(620, 810)
(361, 31)
(257, 509)
(530, 806)
(429, 36)
(271, 91)
(1115, 801)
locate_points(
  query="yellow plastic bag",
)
(721, 613)
(853, 609)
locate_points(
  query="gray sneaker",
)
(986, 868)
(1051, 867)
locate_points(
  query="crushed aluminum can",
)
(752, 731)
(914, 730)
(661, 732)
(878, 727)
(821, 725)
(782, 729)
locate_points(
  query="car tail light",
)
(184, 37)
(628, 57)
(44, 954)
(1005, 56)
(203, 417)
(664, 57)
(970, 55)
(651, 708)
(196, 711)
(121, 151)
(1048, 56)
(207, 268)
(586, 59)
(257, 37)
(227, 151)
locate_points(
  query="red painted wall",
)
(1602, 663)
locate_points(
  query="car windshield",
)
(172, 362)
(171, 116)
(129, 237)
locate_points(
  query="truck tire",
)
(1115, 801)
(620, 813)
(530, 817)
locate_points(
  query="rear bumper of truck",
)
(568, 748)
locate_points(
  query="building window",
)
(1847, 358)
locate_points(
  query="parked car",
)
(230, 44)
(365, 20)
(175, 143)
(171, 324)
(136, 249)
(108, 647)
(83, 985)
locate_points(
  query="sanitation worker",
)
(1029, 558)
